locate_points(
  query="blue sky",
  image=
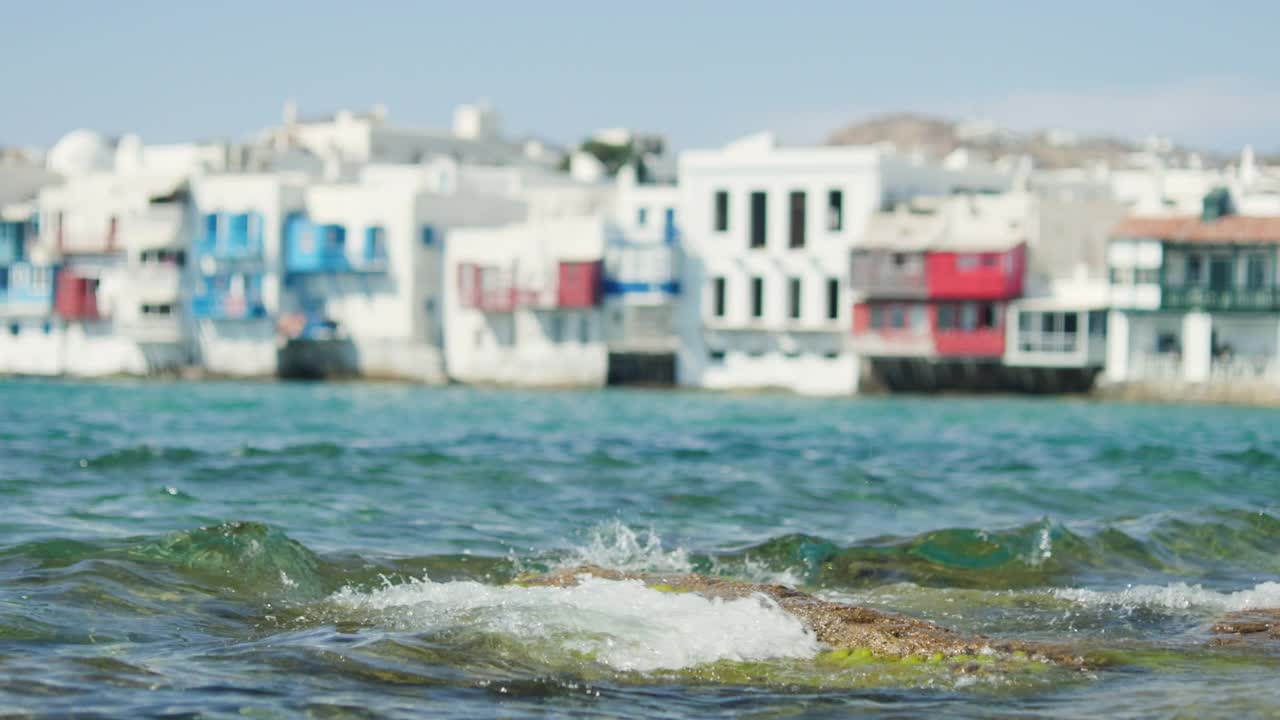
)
(702, 72)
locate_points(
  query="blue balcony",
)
(12, 242)
(313, 248)
(229, 297)
(231, 236)
(26, 289)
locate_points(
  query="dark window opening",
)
(835, 210)
(716, 356)
(1192, 272)
(946, 316)
(758, 218)
(718, 296)
(722, 211)
(757, 297)
(833, 299)
(987, 316)
(1070, 323)
(797, 219)
(793, 298)
(1256, 272)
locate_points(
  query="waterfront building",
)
(933, 281)
(116, 230)
(1195, 300)
(363, 270)
(767, 233)
(524, 303)
(237, 253)
(642, 282)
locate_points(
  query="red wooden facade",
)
(942, 329)
(976, 276)
(580, 284)
(493, 289)
(75, 297)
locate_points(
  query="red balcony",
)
(580, 284)
(495, 289)
(76, 297)
(916, 329)
(976, 276)
(983, 342)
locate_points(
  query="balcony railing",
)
(1234, 299)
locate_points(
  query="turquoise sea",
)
(295, 550)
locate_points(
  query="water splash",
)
(622, 624)
(1177, 596)
(617, 546)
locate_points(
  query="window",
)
(968, 317)
(757, 297)
(1255, 276)
(14, 329)
(716, 356)
(555, 329)
(987, 315)
(584, 328)
(642, 216)
(758, 219)
(793, 298)
(877, 317)
(1149, 276)
(722, 210)
(1168, 343)
(428, 235)
(1192, 270)
(157, 310)
(833, 298)
(897, 317)
(375, 244)
(797, 219)
(919, 318)
(718, 297)
(946, 316)
(835, 210)
(966, 262)
(1070, 323)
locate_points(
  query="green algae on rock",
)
(863, 632)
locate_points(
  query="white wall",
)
(529, 347)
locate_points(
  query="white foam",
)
(1178, 596)
(623, 624)
(618, 547)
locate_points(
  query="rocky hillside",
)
(936, 137)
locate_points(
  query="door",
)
(1220, 274)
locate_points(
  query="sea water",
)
(278, 550)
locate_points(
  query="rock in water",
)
(843, 627)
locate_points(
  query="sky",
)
(700, 72)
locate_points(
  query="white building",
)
(369, 138)
(1195, 300)
(364, 264)
(767, 233)
(523, 303)
(117, 228)
(237, 256)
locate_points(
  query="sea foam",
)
(1178, 596)
(623, 624)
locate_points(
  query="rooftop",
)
(1191, 229)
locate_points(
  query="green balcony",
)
(1230, 300)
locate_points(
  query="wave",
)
(622, 624)
(1177, 596)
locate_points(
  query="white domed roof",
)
(80, 152)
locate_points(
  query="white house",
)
(117, 227)
(363, 264)
(767, 233)
(523, 303)
(237, 253)
(1195, 300)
